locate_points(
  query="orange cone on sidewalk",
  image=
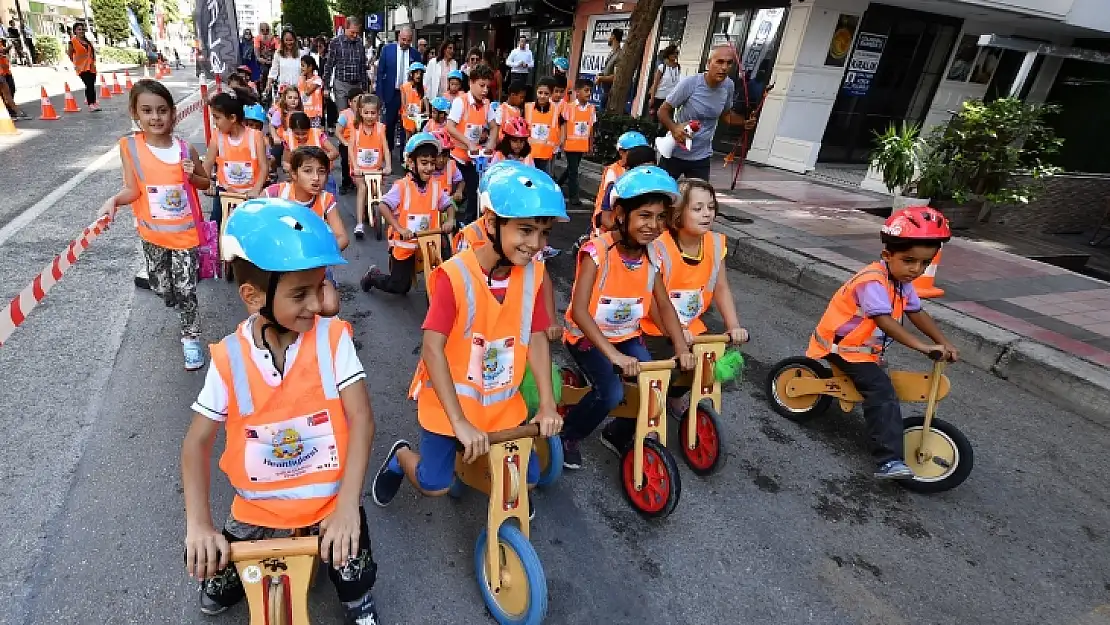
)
(116, 89)
(925, 284)
(105, 92)
(48, 112)
(71, 102)
(7, 126)
(127, 80)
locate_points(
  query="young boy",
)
(544, 118)
(613, 171)
(513, 106)
(297, 437)
(414, 204)
(853, 333)
(475, 352)
(344, 125)
(470, 115)
(578, 140)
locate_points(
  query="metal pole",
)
(85, 8)
(23, 29)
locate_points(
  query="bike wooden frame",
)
(276, 576)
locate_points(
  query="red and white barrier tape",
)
(15, 313)
(189, 110)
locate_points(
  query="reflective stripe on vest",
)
(527, 306)
(241, 383)
(665, 258)
(308, 491)
(248, 135)
(603, 270)
(133, 152)
(835, 348)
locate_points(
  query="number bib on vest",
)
(619, 316)
(582, 129)
(412, 110)
(167, 201)
(473, 132)
(687, 304)
(368, 157)
(491, 362)
(239, 172)
(418, 223)
(291, 449)
(540, 132)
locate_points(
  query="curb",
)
(1066, 380)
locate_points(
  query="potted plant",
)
(970, 164)
(898, 156)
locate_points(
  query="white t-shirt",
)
(518, 56)
(213, 399)
(458, 107)
(669, 78)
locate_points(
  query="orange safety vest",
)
(5, 65)
(865, 342)
(580, 127)
(237, 165)
(447, 174)
(315, 138)
(544, 128)
(410, 105)
(416, 211)
(369, 148)
(471, 125)
(162, 212)
(486, 351)
(313, 104)
(621, 297)
(319, 204)
(507, 113)
(472, 236)
(84, 59)
(610, 174)
(432, 125)
(286, 448)
(689, 287)
(344, 130)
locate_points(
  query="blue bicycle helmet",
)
(419, 139)
(255, 112)
(643, 180)
(513, 190)
(280, 236)
(455, 74)
(631, 139)
(561, 63)
(441, 104)
(417, 65)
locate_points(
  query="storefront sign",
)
(863, 64)
(841, 40)
(595, 47)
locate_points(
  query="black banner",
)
(218, 34)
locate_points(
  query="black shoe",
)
(387, 483)
(614, 443)
(367, 280)
(364, 614)
(572, 456)
(142, 283)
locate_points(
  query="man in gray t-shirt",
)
(706, 97)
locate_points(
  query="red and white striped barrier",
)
(15, 313)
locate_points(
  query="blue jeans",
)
(436, 469)
(606, 393)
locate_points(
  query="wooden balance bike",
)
(374, 195)
(699, 432)
(939, 454)
(229, 201)
(276, 576)
(510, 575)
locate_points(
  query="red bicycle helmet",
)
(917, 223)
(444, 139)
(518, 127)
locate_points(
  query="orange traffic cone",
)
(7, 126)
(116, 89)
(71, 102)
(48, 112)
(925, 284)
(105, 92)
(127, 80)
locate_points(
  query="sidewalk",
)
(1042, 327)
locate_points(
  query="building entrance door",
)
(895, 65)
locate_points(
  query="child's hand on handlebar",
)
(946, 352)
(738, 335)
(206, 552)
(686, 361)
(448, 225)
(405, 234)
(474, 441)
(554, 332)
(688, 336)
(550, 421)
(629, 366)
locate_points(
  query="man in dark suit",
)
(393, 69)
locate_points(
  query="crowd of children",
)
(645, 275)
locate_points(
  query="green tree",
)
(639, 29)
(307, 18)
(362, 8)
(142, 11)
(171, 11)
(110, 17)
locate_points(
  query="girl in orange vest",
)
(454, 84)
(297, 420)
(447, 170)
(288, 102)
(514, 143)
(158, 185)
(309, 175)
(544, 120)
(865, 315)
(311, 87)
(83, 55)
(616, 285)
(368, 153)
(344, 125)
(413, 102)
(413, 204)
(513, 107)
(630, 157)
(302, 133)
(237, 152)
(438, 109)
(485, 323)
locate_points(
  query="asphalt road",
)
(791, 530)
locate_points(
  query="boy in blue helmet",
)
(440, 107)
(288, 384)
(474, 353)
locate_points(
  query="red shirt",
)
(441, 311)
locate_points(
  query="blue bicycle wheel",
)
(524, 600)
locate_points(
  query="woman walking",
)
(667, 75)
(83, 56)
(435, 80)
(286, 68)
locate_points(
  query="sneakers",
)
(194, 355)
(365, 614)
(367, 281)
(613, 443)
(572, 456)
(360, 231)
(94, 107)
(387, 481)
(893, 470)
(22, 115)
(142, 282)
(220, 592)
(208, 605)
